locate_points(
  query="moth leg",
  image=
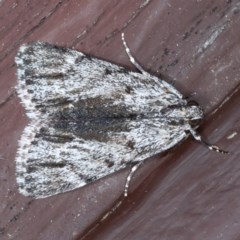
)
(132, 59)
(119, 203)
(133, 170)
(210, 147)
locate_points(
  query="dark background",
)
(186, 193)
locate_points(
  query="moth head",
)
(194, 113)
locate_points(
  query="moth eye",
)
(194, 122)
(192, 103)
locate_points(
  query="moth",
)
(90, 118)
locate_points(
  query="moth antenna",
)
(210, 147)
(133, 170)
(131, 58)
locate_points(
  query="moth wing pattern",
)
(51, 75)
(89, 118)
(56, 162)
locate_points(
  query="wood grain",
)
(187, 193)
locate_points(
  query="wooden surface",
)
(186, 193)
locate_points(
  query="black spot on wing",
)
(79, 59)
(107, 71)
(128, 89)
(109, 163)
(131, 144)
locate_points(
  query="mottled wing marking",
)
(50, 76)
(58, 161)
(89, 118)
